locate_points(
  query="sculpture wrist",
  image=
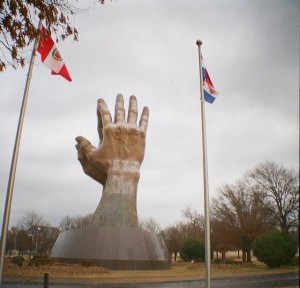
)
(122, 178)
(124, 166)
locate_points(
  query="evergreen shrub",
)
(193, 250)
(275, 249)
(18, 260)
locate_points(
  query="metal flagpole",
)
(13, 166)
(205, 176)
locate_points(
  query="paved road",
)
(264, 281)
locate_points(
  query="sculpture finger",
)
(80, 155)
(100, 125)
(132, 110)
(84, 145)
(119, 109)
(144, 119)
(104, 113)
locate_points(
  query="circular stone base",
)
(114, 248)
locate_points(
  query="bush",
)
(192, 250)
(275, 249)
(17, 260)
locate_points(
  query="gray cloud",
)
(148, 49)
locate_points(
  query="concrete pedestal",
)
(114, 248)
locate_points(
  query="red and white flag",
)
(51, 57)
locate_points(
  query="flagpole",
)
(14, 161)
(205, 176)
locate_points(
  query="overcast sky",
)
(148, 49)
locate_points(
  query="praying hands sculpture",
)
(116, 162)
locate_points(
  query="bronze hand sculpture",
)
(116, 162)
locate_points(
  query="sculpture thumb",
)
(84, 145)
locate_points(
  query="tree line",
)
(31, 235)
(265, 199)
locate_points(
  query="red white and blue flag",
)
(209, 91)
(51, 57)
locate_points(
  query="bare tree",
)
(173, 238)
(23, 241)
(278, 188)
(66, 223)
(30, 223)
(150, 224)
(11, 239)
(83, 221)
(240, 211)
(192, 228)
(76, 222)
(47, 236)
(194, 225)
(222, 238)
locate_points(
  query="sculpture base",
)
(114, 248)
